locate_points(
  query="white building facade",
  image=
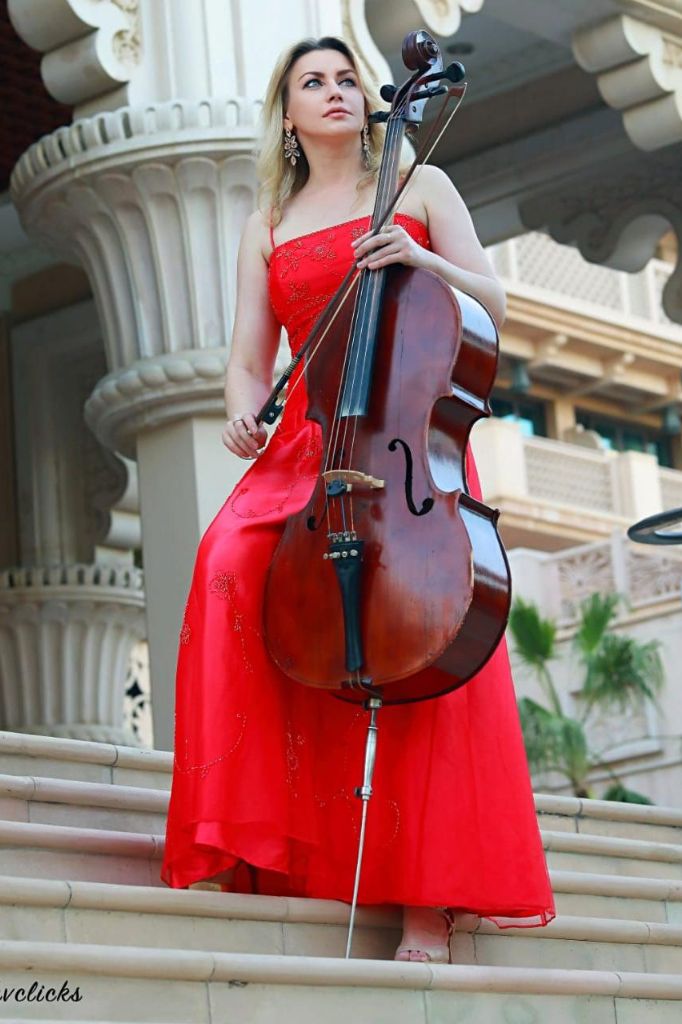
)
(572, 127)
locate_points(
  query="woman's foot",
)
(426, 935)
(216, 883)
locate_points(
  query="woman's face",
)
(325, 99)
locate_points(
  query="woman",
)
(265, 768)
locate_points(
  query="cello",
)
(392, 565)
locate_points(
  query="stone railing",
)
(560, 475)
(571, 475)
(649, 581)
(671, 488)
(538, 267)
(559, 581)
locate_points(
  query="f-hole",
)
(427, 503)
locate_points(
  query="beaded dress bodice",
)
(305, 271)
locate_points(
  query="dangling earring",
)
(291, 150)
(366, 153)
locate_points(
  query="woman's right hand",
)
(243, 436)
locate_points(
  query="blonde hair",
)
(279, 180)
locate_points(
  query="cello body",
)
(432, 582)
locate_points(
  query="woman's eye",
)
(318, 80)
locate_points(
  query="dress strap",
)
(272, 233)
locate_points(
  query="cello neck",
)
(390, 166)
(367, 312)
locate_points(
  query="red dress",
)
(265, 767)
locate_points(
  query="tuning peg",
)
(455, 72)
(387, 92)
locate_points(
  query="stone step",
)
(50, 757)
(611, 854)
(578, 894)
(608, 817)
(107, 855)
(584, 894)
(104, 763)
(586, 826)
(188, 985)
(47, 801)
(63, 852)
(80, 912)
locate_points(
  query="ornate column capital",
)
(90, 49)
(638, 67)
(152, 392)
(152, 203)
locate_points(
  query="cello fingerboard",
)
(357, 381)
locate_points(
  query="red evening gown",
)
(265, 767)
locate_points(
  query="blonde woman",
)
(265, 768)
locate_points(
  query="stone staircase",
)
(81, 837)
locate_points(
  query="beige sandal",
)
(439, 954)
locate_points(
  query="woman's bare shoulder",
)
(256, 234)
(433, 181)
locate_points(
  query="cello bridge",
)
(353, 479)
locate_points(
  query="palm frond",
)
(596, 615)
(575, 755)
(622, 670)
(534, 637)
(535, 644)
(554, 742)
(626, 796)
(540, 735)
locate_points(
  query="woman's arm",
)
(456, 254)
(255, 340)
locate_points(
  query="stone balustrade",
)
(536, 266)
(567, 492)
(640, 743)
(559, 581)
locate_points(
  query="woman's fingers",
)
(387, 254)
(257, 433)
(370, 244)
(232, 441)
(243, 436)
(367, 243)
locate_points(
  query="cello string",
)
(412, 173)
(319, 332)
(334, 433)
(359, 362)
(334, 437)
(459, 93)
(395, 145)
(364, 296)
(366, 289)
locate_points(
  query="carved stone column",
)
(66, 634)
(72, 610)
(150, 193)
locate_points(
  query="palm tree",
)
(618, 671)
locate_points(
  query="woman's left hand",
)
(391, 245)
